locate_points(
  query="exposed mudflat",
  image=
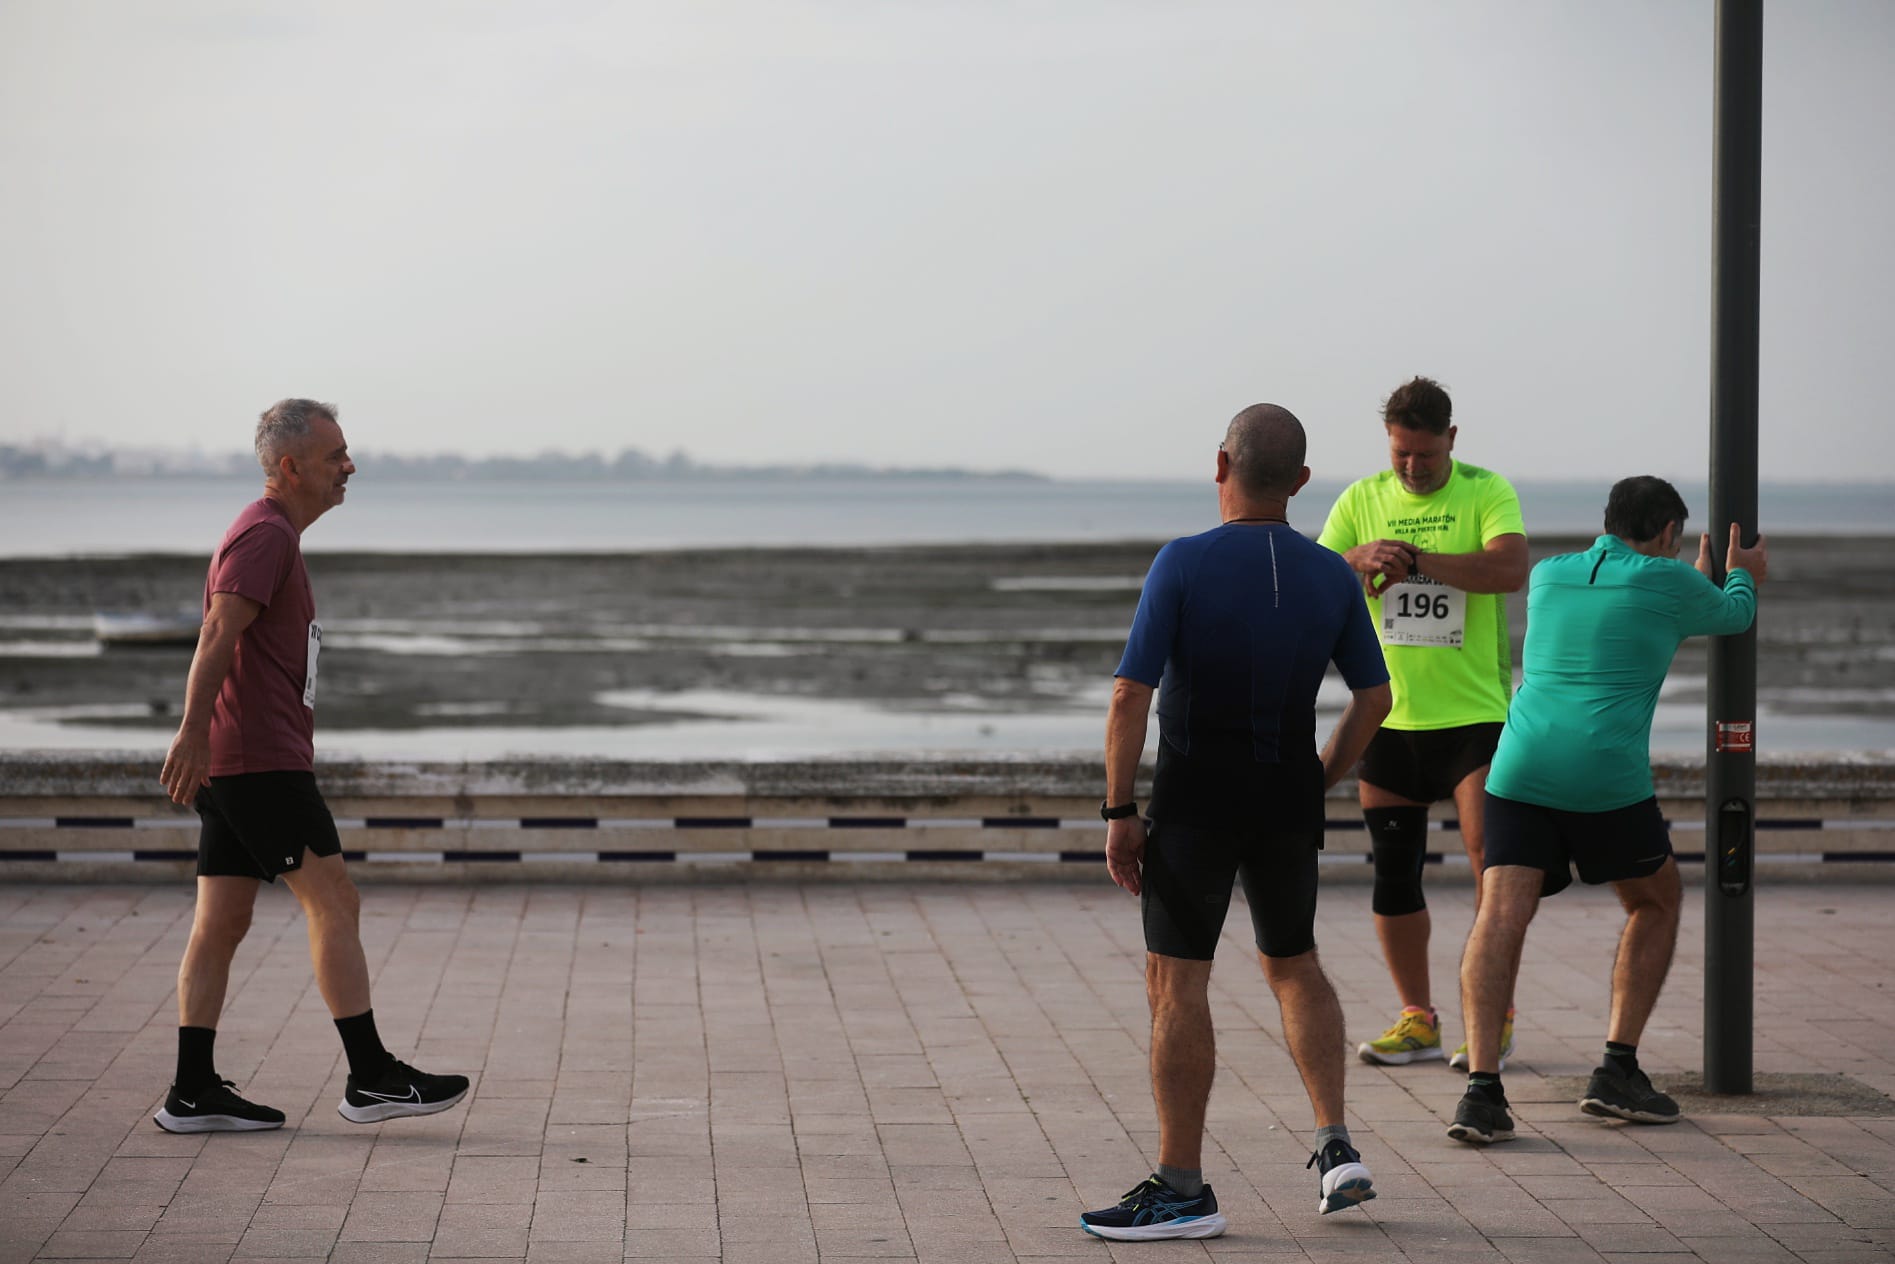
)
(509, 641)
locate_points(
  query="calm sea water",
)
(755, 726)
(63, 518)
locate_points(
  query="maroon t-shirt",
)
(265, 718)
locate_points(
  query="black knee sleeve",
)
(1398, 838)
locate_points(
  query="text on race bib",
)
(1423, 611)
(309, 668)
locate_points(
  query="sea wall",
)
(102, 817)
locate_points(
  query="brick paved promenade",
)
(932, 1072)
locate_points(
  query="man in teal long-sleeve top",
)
(1571, 782)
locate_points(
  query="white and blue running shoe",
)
(1152, 1211)
(1346, 1180)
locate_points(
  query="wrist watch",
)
(1119, 813)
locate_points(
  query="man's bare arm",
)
(1360, 719)
(187, 764)
(1125, 723)
(1499, 567)
(1125, 737)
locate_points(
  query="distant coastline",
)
(53, 460)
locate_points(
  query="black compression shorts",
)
(257, 825)
(1190, 870)
(1628, 842)
(1424, 765)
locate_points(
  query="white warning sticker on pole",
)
(1736, 737)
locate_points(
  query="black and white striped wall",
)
(96, 818)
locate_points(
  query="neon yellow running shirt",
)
(1449, 662)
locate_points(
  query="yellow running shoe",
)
(1415, 1037)
(1459, 1059)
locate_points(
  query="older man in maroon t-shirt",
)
(244, 756)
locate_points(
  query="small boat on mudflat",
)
(144, 628)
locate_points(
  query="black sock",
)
(361, 1042)
(1620, 1058)
(196, 1067)
(1487, 1084)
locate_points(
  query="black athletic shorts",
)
(257, 825)
(1190, 870)
(1426, 764)
(1628, 842)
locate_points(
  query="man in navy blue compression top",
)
(1234, 632)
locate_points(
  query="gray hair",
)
(1266, 446)
(284, 424)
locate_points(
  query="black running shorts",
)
(1424, 765)
(258, 824)
(1628, 842)
(1190, 870)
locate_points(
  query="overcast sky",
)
(1073, 237)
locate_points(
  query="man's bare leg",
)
(1312, 1027)
(1620, 1088)
(218, 925)
(334, 910)
(1653, 907)
(1405, 937)
(1470, 808)
(380, 1087)
(1183, 1055)
(200, 1099)
(1490, 965)
(1491, 961)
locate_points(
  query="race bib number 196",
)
(1423, 611)
(309, 675)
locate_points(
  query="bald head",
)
(1266, 447)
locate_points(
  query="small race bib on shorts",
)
(1423, 611)
(309, 671)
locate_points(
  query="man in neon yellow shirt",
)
(1438, 543)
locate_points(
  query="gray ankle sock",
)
(1334, 1132)
(1188, 1181)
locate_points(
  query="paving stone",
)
(184, 1248)
(93, 1244)
(933, 1072)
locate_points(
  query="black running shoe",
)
(1623, 1096)
(1152, 1210)
(215, 1108)
(1345, 1178)
(1481, 1119)
(399, 1090)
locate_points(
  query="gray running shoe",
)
(1620, 1096)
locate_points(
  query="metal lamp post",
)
(1730, 780)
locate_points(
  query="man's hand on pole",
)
(1755, 559)
(1125, 852)
(1706, 566)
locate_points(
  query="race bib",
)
(1423, 611)
(309, 670)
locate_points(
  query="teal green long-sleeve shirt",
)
(1602, 627)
